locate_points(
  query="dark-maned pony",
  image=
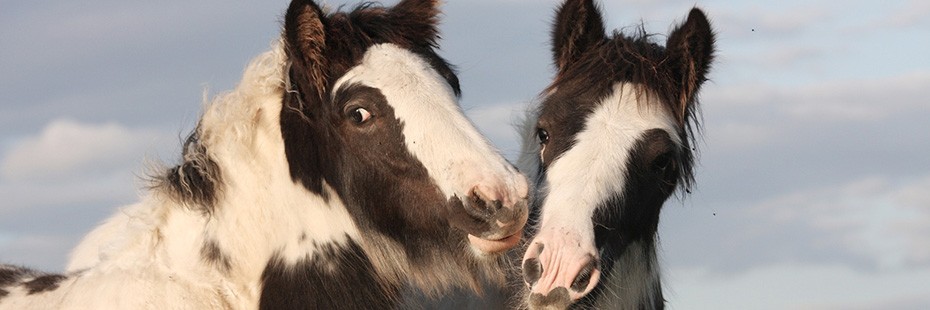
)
(610, 143)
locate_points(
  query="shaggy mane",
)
(227, 121)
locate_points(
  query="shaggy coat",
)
(338, 174)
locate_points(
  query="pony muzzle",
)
(492, 218)
(559, 271)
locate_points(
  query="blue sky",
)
(814, 180)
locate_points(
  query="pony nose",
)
(502, 208)
(483, 202)
(493, 214)
(547, 270)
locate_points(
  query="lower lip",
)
(495, 246)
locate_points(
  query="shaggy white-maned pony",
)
(339, 174)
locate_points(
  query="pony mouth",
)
(495, 246)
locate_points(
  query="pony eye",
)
(662, 162)
(543, 136)
(360, 115)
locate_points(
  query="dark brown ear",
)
(690, 49)
(416, 21)
(305, 36)
(578, 27)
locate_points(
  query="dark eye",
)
(663, 162)
(360, 115)
(543, 136)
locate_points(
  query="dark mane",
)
(195, 181)
(634, 58)
(370, 23)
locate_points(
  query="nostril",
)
(532, 271)
(496, 205)
(583, 279)
(477, 207)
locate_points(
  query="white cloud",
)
(873, 218)
(874, 99)
(870, 100)
(66, 147)
(63, 180)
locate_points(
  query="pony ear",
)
(416, 21)
(305, 36)
(579, 26)
(690, 49)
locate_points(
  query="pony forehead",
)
(634, 108)
(389, 67)
(629, 106)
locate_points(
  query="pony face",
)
(371, 116)
(613, 136)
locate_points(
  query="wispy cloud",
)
(63, 180)
(873, 218)
(910, 14)
(66, 147)
(853, 100)
(750, 21)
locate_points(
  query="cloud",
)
(863, 100)
(913, 13)
(798, 286)
(66, 147)
(872, 224)
(60, 182)
(854, 100)
(873, 218)
(748, 21)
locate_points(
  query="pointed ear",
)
(305, 36)
(416, 21)
(579, 26)
(690, 49)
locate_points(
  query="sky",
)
(813, 184)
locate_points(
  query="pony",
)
(338, 174)
(610, 142)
